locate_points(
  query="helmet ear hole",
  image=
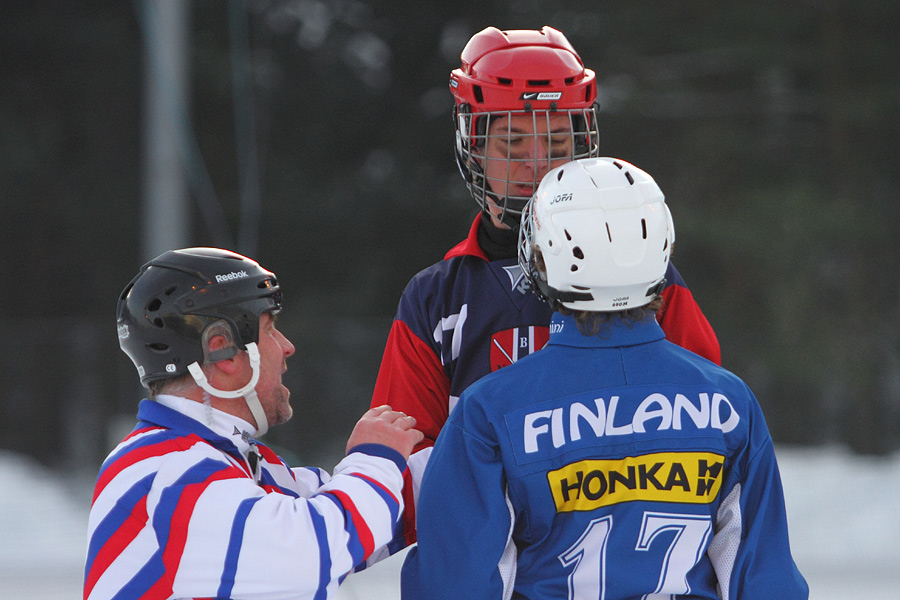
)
(157, 347)
(218, 342)
(539, 261)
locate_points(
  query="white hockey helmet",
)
(596, 236)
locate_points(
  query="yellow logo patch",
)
(684, 477)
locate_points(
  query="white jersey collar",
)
(226, 425)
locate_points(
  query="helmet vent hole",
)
(539, 82)
(504, 81)
(569, 80)
(479, 96)
(574, 268)
(629, 178)
(568, 237)
(560, 174)
(169, 291)
(618, 164)
(644, 228)
(154, 305)
(157, 347)
(608, 232)
(577, 253)
(158, 323)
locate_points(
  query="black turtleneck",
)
(497, 243)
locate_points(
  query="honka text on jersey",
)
(684, 477)
(578, 422)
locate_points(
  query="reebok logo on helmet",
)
(231, 276)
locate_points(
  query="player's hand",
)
(381, 425)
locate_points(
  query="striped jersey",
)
(189, 505)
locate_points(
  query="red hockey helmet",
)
(522, 70)
(520, 73)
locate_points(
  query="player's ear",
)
(228, 365)
(220, 348)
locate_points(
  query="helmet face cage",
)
(165, 313)
(503, 155)
(524, 104)
(528, 260)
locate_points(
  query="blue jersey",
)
(612, 466)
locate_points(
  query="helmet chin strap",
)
(248, 392)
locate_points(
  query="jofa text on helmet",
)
(560, 198)
(601, 421)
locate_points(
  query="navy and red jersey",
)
(468, 316)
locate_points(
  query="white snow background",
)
(843, 514)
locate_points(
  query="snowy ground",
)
(842, 510)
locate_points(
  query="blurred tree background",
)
(771, 126)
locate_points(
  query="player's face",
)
(274, 348)
(521, 149)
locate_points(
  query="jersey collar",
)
(469, 246)
(194, 417)
(564, 332)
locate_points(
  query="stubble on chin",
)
(283, 408)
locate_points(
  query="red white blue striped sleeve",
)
(175, 517)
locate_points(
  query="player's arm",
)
(463, 520)
(287, 546)
(221, 535)
(682, 320)
(411, 379)
(750, 550)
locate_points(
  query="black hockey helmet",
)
(163, 313)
